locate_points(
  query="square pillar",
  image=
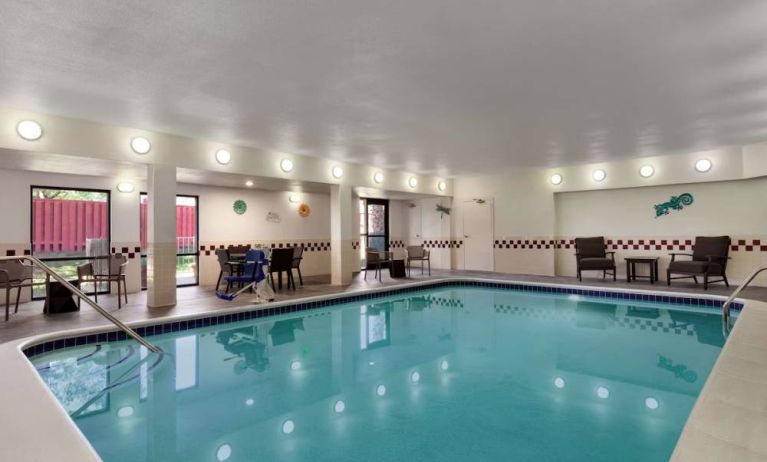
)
(161, 236)
(342, 254)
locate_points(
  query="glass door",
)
(376, 235)
(187, 241)
(70, 227)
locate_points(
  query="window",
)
(70, 227)
(187, 242)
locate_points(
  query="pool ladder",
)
(49, 273)
(726, 324)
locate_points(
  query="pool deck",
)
(728, 422)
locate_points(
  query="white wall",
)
(734, 208)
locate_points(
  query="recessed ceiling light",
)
(294, 200)
(249, 183)
(339, 407)
(703, 165)
(125, 411)
(378, 177)
(140, 145)
(288, 426)
(125, 187)
(223, 452)
(598, 175)
(441, 185)
(29, 130)
(223, 156)
(559, 382)
(556, 179)
(412, 182)
(651, 403)
(381, 390)
(337, 172)
(444, 365)
(286, 165)
(603, 392)
(646, 171)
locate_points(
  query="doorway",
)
(478, 235)
(375, 235)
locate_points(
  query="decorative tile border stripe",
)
(309, 246)
(355, 245)
(738, 245)
(438, 244)
(177, 326)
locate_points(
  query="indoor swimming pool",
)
(448, 373)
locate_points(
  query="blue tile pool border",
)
(212, 320)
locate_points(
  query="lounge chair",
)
(590, 255)
(709, 258)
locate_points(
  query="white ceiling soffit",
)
(443, 87)
(57, 163)
(231, 180)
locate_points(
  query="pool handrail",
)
(82, 296)
(726, 325)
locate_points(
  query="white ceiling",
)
(444, 87)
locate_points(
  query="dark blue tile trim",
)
(176, 326)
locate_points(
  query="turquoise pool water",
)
(450, 374)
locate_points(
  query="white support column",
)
(341, 251)
(161, 236)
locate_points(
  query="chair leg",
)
(614, 274)
(366, 274)
(668, 277)
(291, 280)
(18, 296)
(125, 289)
(300, 277)
(429, 262)
(695, 278)
(579, 276)
(7, 302)
(705, 281)
(421, 267)
(726, 283)
(119, 295)
(604, 274)
(218, 282)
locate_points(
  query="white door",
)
(478, 236)
(415, 236)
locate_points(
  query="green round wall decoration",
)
(240, 207)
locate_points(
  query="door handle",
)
(465, 236)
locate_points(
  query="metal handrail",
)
(728, 303)
(80, 294)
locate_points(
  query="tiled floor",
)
(30, 320)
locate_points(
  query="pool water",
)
(449, 374)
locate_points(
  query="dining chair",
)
(373, 261)
(116, 273)
(225, 269)
(298, 256)
(418, 253)
(282, 262)
(14, 275)
(86, 275)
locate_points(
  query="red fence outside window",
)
(62, 226)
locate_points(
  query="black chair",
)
(298, 256)
(590, 255)
(709, 258)
(225, 269)
(373, 261)
(282, 262)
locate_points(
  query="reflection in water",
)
(680, 370)
(244, 342)
(285, 331)
(374, 326)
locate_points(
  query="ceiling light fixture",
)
(378, 177)
(140, 145)
(294, 199)
(646, 171)
(412, 182)
(249, 183)
(598, 175)
(556, 179)
(286, 165)
(337, 172)
(441, 185)
(125, 187)
(29, 130)
(703, 165)
(223, 156)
